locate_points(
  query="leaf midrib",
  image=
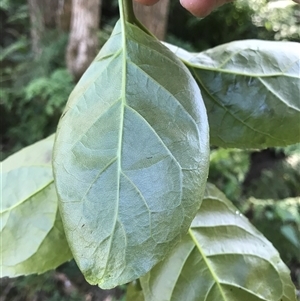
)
(167, 92)
(271, 90)
(223, 70)
(214, 276)
(228, 111)
(123, 53)
(27, 198)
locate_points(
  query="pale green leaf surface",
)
(251, 90)
(32, 236)
(134, 292)
(222, 258)
(130, 158)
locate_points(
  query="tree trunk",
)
(50, 9)
(154, 17)
(83, 40)
(43, 15)
(64, 14)
(37, 25)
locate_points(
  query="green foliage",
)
(207, 265)
(12, 48)
(134, 291)
(227, 171)
(215, 204)
(16, 13)
(265, 177)
(33, 92)
(35, 108)
(240, 177)
(242, 98)
(4, 4)
(283, 176)
(280, 18)
(136, 157)
(284, 179)
(279, 220)
(50, 90)
(282, 226)
(242, 19)
(36, 205)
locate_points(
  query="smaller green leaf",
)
(290, 234)
(222, 258)
(32, 235)
(134, 292)
(251, 91)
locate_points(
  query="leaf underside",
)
(251, 92)
(130, 158)
(223, 257)
(32, 236)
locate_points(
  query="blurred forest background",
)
(45, 46)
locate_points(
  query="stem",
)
(127, 14)
(126, 11)
(142, 27)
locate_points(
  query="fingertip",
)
(202, 8)
(199, 8)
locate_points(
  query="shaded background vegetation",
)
(264, 185)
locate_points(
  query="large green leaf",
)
(130, 158)
(32, 236)
(222, 258)
(251, 91)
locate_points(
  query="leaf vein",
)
(29, 197)
(167, 91)
(98, 176)
(277, 96)
(158, 137)
(214, 276)
(229, 112)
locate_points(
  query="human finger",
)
(202, 8)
